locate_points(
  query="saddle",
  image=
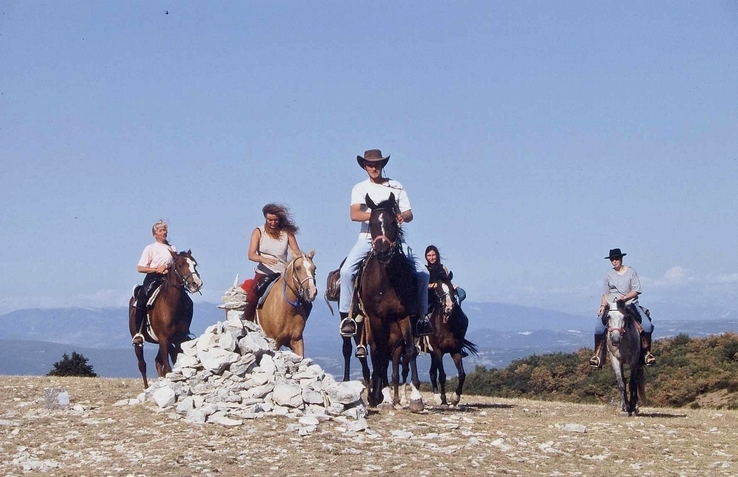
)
(333, 289)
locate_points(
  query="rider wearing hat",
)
(379, 189)
(621, 283)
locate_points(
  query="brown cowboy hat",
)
(372, 155)
(615, 253)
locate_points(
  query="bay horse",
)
(288, 303)
(169, 320)
(624, 347)
(388, 297)
(449, 336)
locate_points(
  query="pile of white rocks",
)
(232, 372)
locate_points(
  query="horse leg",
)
(162, 358)
(437, 374)
(396, 375)
(411, 353)
(433, 379)
(459, 362)
(617, 367)
(379, 375)
(141, 364)
(347, 347)
(635, 372)
(298, 347)
(365, 371)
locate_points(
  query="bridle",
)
(441, 300)
(185, 278)
(393, 245)
(300, 289)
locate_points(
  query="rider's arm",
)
(358, 215)
(292, 242)
(407, 216)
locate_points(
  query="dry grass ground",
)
(485, 436)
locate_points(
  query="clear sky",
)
(531, 136)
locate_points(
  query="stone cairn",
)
(232, 372)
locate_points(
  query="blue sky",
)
(532, 137)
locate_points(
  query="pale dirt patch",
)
(485, 436)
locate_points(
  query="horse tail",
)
(468, 347)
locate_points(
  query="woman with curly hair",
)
(268, 248)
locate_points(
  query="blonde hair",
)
(160, 224)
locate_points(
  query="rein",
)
(300, 292)
(184, 279)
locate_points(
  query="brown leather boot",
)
(348, 326)
(598, 358)
(648, 358)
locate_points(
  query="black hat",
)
(615, 253)
(372, 155)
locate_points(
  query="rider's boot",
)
(423, 327)
(348, 325)
(140, 311)
(648, 358)
(360, 348)
(250, 311)
(598, 358)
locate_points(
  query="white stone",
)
(164, 397)
(346, 392)
(267, 366)
(575, 428)
(217, 359)
(189, 348)
(288, 394)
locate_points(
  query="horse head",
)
(616, 321)
(185, 269)
(384, 229)
(445, 295)
(300, 273)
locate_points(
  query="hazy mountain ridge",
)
(33, 339)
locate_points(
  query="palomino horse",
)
(449, 330)
(287, 306)
(387, 297)
(169, 320)
(624, 347)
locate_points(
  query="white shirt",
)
(378, 193)
(156, 254)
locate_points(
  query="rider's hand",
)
(269, 261)
(602, 308)
(400, 218)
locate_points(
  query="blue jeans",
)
(348, 271)
(600, 327)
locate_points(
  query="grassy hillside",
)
(694, 372)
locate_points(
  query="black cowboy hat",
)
(372, 155)
(615, 253)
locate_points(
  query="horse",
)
(387, 298)
(624, 347)
(287, 305)
(449, 330)
(169, 320)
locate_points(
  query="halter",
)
(441, 296)
(187, 277)
(393, 244)
(300, 292)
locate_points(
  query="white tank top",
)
(274, 248)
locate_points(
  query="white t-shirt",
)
(274, 248)
(157, 254)
(378, 193)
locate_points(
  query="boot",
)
(348, 325)
(138, 338)
(360, 347)
(423, 327)
(648, 358)
(249, 313)
(598, 358)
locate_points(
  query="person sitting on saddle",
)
(621, 283)
(437, 271)
(379, 189)
(268, 247)
(155, 262)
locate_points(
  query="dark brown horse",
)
(287, 306)
(449, 336)
(624, 347)
(169, 320)
(388, 297)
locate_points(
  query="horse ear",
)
(311, 254)
(189, 251)
(450, 275)
(174, 254)
(369, 202)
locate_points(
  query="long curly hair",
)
(286, 222)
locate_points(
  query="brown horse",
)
(388, 297)
(169, 320)
(287, 306)
(449, 331)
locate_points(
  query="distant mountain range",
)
(31, 340)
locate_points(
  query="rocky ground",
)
(97, 436)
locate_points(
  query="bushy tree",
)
(74, 366)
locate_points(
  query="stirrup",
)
(348, 327)
(649, 359)
(594, 362)
(423, 327)
(360, 351)
(137, 340)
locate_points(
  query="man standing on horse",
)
(379, 189)
(621, 283)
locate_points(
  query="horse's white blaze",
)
(448, 303)
(195, 277)
(382, 225)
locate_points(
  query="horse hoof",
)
(416, 406)
(385, 406)
(455, 399)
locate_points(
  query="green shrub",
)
(76, 365)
